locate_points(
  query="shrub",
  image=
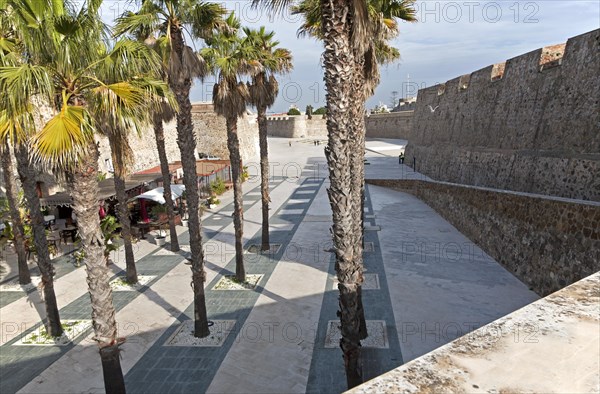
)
(218, 186)
(294, 111)
(212, 200)
(245, 174)
(320, 111)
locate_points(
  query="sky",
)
(450, 39)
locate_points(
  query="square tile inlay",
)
(120, 284)
(71, 330)
(255, 248)
(184, 335)
(228, 282)
(377, 338)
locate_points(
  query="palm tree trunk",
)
(123, 215)
(233, 144)
(85, 204)
(166, 176)
(338, 64)
(15, 215)
(186, 139)
(27, 176)
(264, 174)
(358, 177)
(122, 211)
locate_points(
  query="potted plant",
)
(213, 201)
(109, 225)
(160, 214)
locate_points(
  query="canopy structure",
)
(156, 195)
(106, 190)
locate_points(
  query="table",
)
(69, 230)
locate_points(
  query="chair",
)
(60, 224)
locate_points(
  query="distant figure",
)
(290, 143)
(401, 158)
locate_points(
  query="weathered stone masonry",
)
(298, 126)
(211, 138)
(392, 125)
(547, 242)
(531, 124)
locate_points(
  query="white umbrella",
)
(157, 194)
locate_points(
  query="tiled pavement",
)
(191, 369)
(296, 292)
(327, 365)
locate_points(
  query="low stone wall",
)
(393, 125)
(547, 242)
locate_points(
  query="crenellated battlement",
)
(533, 120)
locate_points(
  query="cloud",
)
(451, 38)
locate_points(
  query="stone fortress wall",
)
(392, 125)
(531, 124)
(211, 138)
(297, 126)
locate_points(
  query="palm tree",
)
(349, 33)
(15, 214)
(263, 92)
(229, 56)
(165, 114)
(26, 29)
(170, 18)
(122, 156)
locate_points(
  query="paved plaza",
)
(426, 284)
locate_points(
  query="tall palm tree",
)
(92, 87)
(15, 214)
(229, 56)
(122, 157)
(26, 29)
(348, 32)
(170, 18)
(164, 113)
(263, 92)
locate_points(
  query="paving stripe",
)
(197, 366)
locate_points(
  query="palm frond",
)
(64, 137)
(19, 83)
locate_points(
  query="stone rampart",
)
(392, 125)
(531, 124)
(297, 126)
(547, 242)
(211, 138)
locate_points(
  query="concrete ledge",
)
(549, 346)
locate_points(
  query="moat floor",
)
(425, 285)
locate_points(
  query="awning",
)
(106, 190)
(56, 200)
(157, 194)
